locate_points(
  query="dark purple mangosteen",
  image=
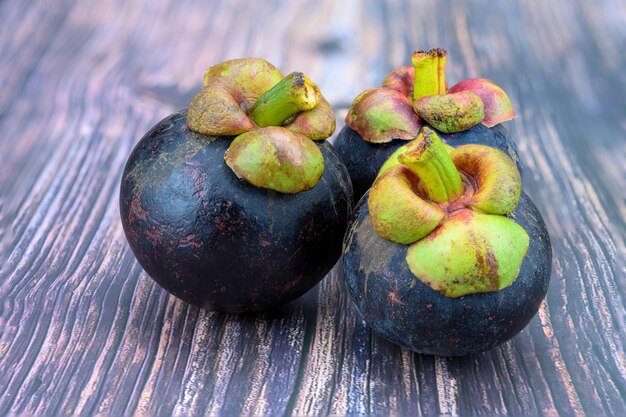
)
(238, 203)
(445, 254)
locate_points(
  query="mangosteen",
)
(380, 120)
(446, 255)
(238, 203)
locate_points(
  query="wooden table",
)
(84, 331)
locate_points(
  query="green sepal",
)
(451, 113)
(469, 253)
(277, 159)
(381, 115)
(498, 181)
(397, 212)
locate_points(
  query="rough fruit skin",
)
(398, 306)
(364, 159)
(217, 241)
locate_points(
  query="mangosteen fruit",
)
(380, 120)
(445, 254)
(238, 203)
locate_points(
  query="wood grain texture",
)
(83, 331)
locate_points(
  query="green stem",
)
(430, 73)
(292, 94)
(431, 162)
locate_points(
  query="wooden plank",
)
(84, 331)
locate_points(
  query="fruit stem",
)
(293, 94)
(431, 162)
(430, 72)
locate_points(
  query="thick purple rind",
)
(218, 242)
(401, 308)
(364, 159)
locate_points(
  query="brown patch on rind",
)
(487, 265)
(136, 212)
(190, 241)
(154, 234)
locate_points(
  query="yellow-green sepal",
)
(397, 212)
(498, 181)
(277, 159)
(451, 113)
(381, 115)
(469, 253)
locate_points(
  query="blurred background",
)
(84, 331)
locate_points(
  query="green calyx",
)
(241, 95)
(277, 159)
(448, 204)
(412, 96)
(249, 98)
